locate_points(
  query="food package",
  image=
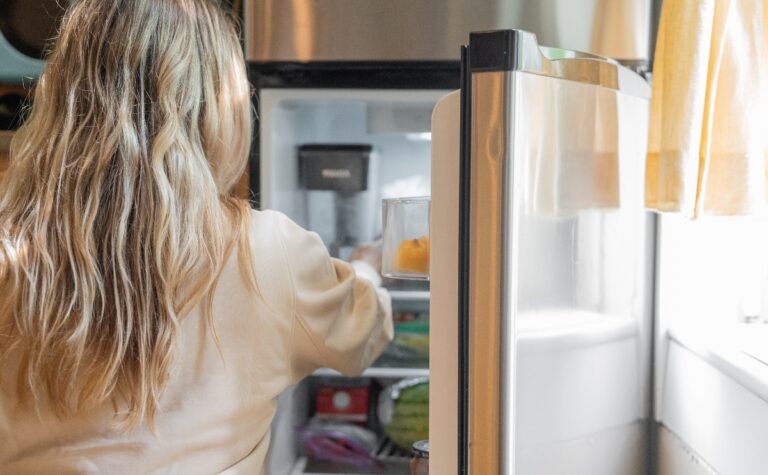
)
(410, 346)
(345, 402)
(341, 443)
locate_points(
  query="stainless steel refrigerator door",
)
(558, 340)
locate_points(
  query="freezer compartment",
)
(428, 30)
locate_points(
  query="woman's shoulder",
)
(276, 239)
(269, 226)
(302, 252)
(267, 217)
(267, 259)
(264, 231)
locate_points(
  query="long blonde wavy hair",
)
(117, 212)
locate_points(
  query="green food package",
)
(413, 335)
(410, 347)
(404, 411)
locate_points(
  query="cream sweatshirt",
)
(310, 311)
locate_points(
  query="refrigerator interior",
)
(397, 126)
(395, 122)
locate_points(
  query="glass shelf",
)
(379, 372)
(420, 296)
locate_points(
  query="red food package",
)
(343, 403)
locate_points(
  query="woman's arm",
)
(341, 320)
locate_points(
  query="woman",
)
(148, 318)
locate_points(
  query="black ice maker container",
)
(345, 219)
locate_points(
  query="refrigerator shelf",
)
(409, 295)
(377, 372)
(394, 460)
(390, 468)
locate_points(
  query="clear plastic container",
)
(405, 253)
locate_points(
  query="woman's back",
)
(149, 318)
(216, 411)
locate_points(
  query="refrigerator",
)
(541, 267)
(539, 299)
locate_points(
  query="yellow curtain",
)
(707, 139)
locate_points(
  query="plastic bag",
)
(340, 443)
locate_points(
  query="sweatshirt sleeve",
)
(341, 321)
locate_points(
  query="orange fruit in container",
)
(413, 255)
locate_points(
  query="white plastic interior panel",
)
(715, 398)
(610, 452)
(444, 265)
(582, 297)
(711, 272)
(577, 375)
(675, 457)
